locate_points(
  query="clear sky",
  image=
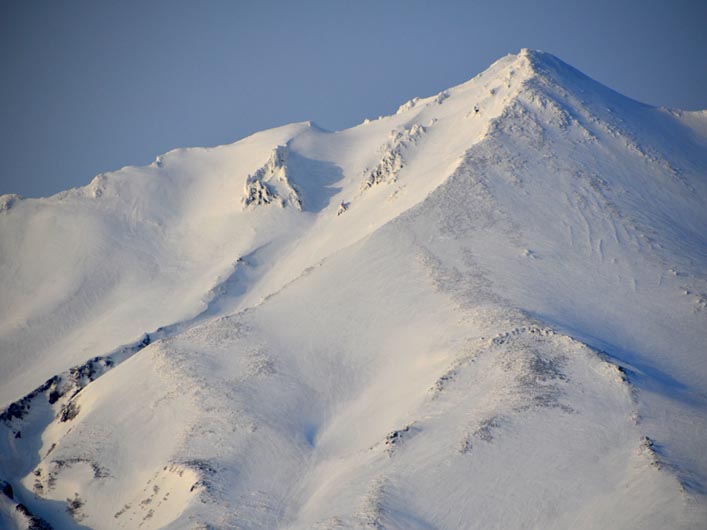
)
(90, 86)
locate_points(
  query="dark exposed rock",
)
(7, 489)
(73, 506)
(35, 523)
(69, 411)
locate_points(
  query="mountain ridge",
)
(519, 266)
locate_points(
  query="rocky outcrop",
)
(393, 158)
(271, 183)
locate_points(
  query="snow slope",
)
(484, 311)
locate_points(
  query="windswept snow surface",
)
(485, 311)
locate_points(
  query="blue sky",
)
(88, 87)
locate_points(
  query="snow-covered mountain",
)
(485, 311)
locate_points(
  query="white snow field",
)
(487, 311)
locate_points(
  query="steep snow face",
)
(484, 311)
(90, 269)
(93, 268)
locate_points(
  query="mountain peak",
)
(539, 64)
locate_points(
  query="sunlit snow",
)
(487, 310)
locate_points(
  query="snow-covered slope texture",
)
(485, 311)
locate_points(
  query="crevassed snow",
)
(484, 311)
